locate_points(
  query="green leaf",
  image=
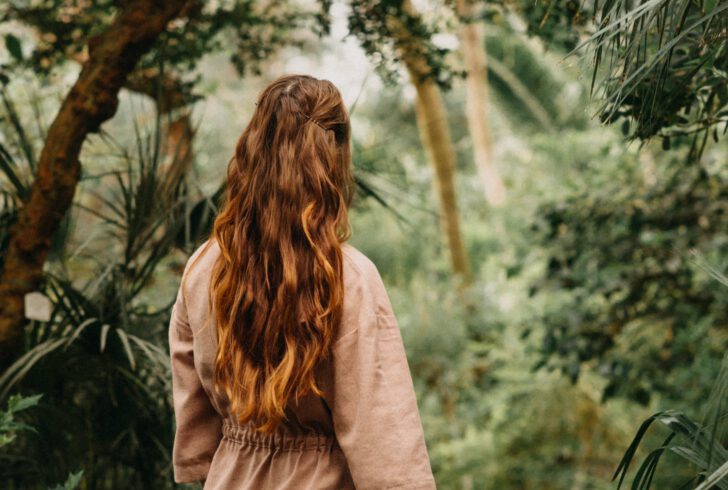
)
(73, 480)
(12, 44)
(16, 403)
(717, 476)
(127, 347)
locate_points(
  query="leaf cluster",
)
(639, 304)
(665, 66)
(248, 31)
(369, 22)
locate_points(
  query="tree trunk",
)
(177, 150)
(472, 41)
(92, 100)
(435, 135)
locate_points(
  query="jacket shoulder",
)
(356, 263)
(196, 275)
(365, 296)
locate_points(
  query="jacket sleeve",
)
(372, 399)
(198, 425)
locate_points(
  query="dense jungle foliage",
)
(598, 299)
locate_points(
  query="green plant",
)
(72, 482)
(9, 427)
(638, 306)
(665, 63)
(701, 444)
(97, 358)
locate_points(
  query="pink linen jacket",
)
(365, 433)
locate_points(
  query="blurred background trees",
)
(551, 228)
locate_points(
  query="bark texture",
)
(92, 100)
(472, 41)
(178, 151)
(435, 135)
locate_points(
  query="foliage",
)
(659, 66)
(73, 481)
(557, 22)
(9, 427)
(249, 31)
(98, 358)
(368, 22)
(525, 83)
(700, 444)
(667, 66)
(638, 305)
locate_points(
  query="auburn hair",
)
(276, 288)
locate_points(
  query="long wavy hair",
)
(277, 286)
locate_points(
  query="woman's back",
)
(364, 433)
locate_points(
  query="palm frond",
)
(664, 65)
(714, 478)
(695, 443)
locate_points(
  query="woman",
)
(288, 365)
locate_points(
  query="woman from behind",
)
(288, 368)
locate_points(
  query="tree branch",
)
(92, 100)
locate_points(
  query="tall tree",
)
(250, 31)
(92, 100)
(435, 133)
(472, 42)
(394, 31)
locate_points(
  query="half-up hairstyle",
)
(276, 288)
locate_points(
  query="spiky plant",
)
(99, 359)
(703, 444)
(666, 64)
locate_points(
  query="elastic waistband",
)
(277, 440)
